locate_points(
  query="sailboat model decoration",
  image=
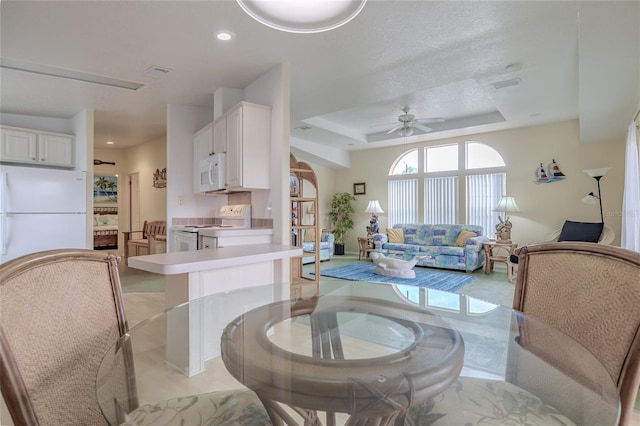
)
(549, 174)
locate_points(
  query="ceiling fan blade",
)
(423, 128)
(394, 129)
(430, 120)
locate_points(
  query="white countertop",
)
(202, 260)
(226, 232)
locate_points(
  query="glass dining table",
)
(359, 354)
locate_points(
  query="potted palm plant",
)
(341, 213)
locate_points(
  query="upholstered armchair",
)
(326, 247)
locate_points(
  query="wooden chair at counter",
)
(150, 240)
(591, 292)
(62, 312)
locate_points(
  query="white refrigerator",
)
(41, 209)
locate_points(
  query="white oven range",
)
(198, 237)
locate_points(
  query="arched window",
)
(406, 164)
(447, 187)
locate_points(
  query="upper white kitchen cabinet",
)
(220, 135)
(202, 148)
(35, 147)
(248, 146)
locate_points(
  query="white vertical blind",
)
(403, 202)
(483, 194)
(441, 200)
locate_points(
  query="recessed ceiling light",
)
(225, 35)
(110, 142)
(309, 16)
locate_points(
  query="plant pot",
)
(338, 249)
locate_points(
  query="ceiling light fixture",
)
(110, 142)
(225, 35)
(309, 16)
(13, 64)
(405, 131)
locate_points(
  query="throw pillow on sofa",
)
(396, 235)
(461, 241)
(309, 236)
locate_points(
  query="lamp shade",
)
(507, 204)
(589, 199)
(594, 173)
(374, 207)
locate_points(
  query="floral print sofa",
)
(438, 244)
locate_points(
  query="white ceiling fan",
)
(409, 121)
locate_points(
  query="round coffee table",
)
(307, 355)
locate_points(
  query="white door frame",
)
(134, 201)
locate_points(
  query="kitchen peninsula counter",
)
(195, 337)
(200, 260)
(193, 274)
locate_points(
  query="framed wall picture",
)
(359, 188)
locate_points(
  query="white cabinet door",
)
(55, 150)
(18, 146)
(220, 135)
(202, 148)
(234, 148)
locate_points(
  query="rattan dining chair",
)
(592, 293)
(60, 312)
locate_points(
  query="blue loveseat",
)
(326, 248)
(438, 244)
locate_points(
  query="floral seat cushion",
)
(229, 408)
(486, 402)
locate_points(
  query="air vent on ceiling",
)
(506, 83)
(303, 128)
(157, 71)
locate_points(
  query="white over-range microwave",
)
(213, 173)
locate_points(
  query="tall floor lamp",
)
(591, 197)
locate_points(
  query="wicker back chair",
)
(592, 293)
(60, 311)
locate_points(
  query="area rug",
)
(424, 277)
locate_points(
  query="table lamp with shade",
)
(374, 208)
(503, 229)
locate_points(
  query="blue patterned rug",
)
(424, 277)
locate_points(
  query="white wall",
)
(144, 159)
(544, 207)
(182, 122)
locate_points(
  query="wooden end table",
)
(496, 251)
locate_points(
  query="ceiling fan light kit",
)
(408, 122)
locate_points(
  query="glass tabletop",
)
(362, 351)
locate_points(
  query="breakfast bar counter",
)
(200, 260)
(197, 273)
(194, 274)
